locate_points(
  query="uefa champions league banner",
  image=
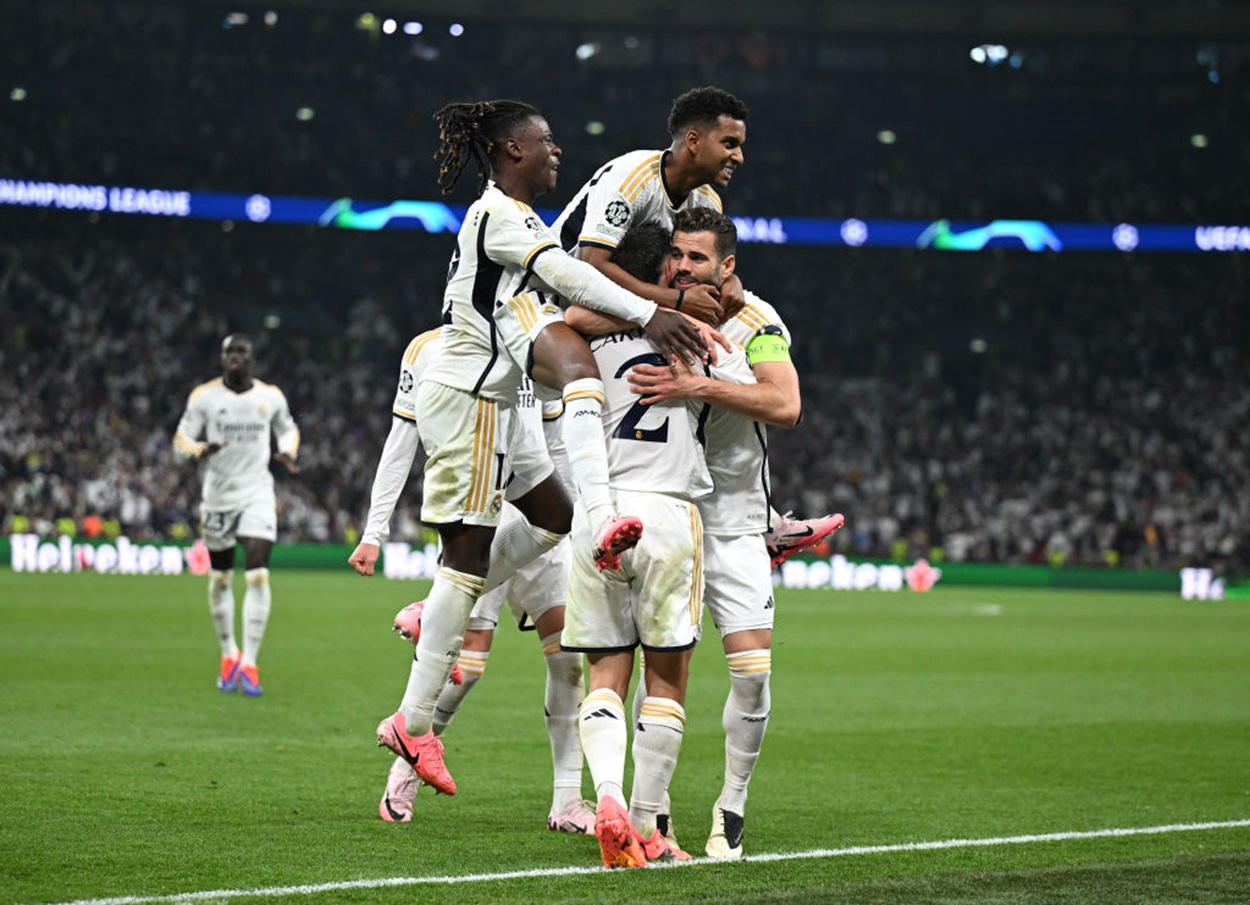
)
(435, 217)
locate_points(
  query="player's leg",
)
(604, 737)
(598, 622)
(464, 477)
(563, 361)
(657, 744)
(569, 813)
(257, 603)
(669, 566)
(740, 598)
(219, 538)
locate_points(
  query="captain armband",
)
(767, 346)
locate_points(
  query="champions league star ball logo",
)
(617, 213)
(405, 382)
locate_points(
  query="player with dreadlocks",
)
(501, 319)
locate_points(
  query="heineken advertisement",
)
(402, 561)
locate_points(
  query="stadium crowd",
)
(998, 407)
(1102, 422)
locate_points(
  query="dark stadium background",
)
(1073, 408)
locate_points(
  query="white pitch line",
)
(312, 889)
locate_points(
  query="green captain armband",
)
(767, 346)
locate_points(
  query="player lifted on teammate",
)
(707, 128)
(500, 319)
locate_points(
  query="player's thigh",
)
(529, 461)
(542, 585)
(466, 459)
(599, 616)
(667, 571)
(738, 583)
(219, 529)
(520, 321)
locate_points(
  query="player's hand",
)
(287, 462)
(364, 558)
(676, 336)
(732, 298)
(212, 449)
(656, 383)
(703, 303)
(713, 338)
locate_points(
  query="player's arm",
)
(773, 398)
(388, 482)
(186, 437)
(701, 302)
(287, 433)
(582, 284)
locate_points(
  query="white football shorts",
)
(656, 598)
(739, 582)
(466, 465)
(222, 530)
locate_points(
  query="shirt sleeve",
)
(397, 456)
(187, 441)
(285, 429)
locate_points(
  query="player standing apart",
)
(500, 320)
(227, 425)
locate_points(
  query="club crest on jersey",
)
(496, 504)
(260, 410)
(617, 213)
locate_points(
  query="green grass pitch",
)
(963, 714)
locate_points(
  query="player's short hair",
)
(475, 131)
(641, 253)
(703, 106)
(709, 220)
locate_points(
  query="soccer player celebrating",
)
(227, 425)
(498, 322)
(537, 592)
(736, 514)
(707, 127)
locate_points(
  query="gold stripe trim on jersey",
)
(696, 583)
(418, 343)
(638, 177)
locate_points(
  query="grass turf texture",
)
(897, 718)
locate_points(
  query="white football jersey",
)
(238, 473)
(626, 190)
(651, 448)
(737, 447)
(498, 243)
(411, 367)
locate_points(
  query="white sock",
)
(517, 543)
(257, 601)
(745, 720)
(473, 665)
(587, 449)
(657, 742)
(601, 725)
(560, 706)
(221, 606)
(443, 622)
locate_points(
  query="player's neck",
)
(515, 188)
(679, 177)
(239, 383)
